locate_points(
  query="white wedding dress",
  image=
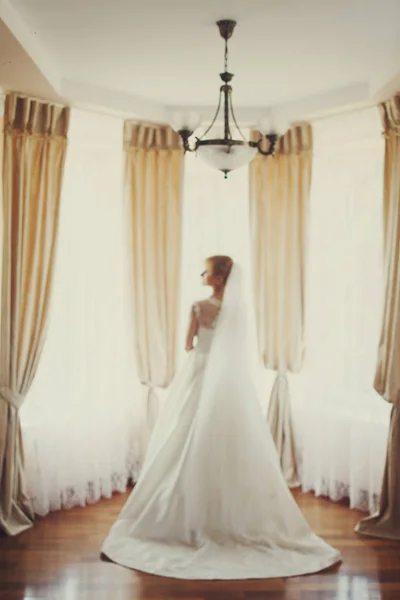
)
(211, 501)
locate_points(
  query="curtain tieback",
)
(281, 375)
(14, 399)
(149, 388)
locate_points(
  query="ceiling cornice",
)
(30, 43)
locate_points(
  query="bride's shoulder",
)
(201, 306)
(207, 308)
(198, 306)
(202, 302)
(206, 312)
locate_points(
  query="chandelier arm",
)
(227, 130)
(273, 139)
(215, 116)
(189, 149)
(234, 118)
(185, 135)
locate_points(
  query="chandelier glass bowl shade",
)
(222, 150)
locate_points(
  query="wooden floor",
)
(59, 560)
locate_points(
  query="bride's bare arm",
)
(192, 330)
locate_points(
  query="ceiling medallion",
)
(225, 153)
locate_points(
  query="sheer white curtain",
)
(82, 421)
(341, 421)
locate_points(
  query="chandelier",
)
(225, 153)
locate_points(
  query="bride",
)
(211, 501)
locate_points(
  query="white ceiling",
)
(146, 57)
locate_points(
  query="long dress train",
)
(211, 501)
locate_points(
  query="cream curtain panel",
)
(35, 139)
(279, 195)
(386, 523)
(154, 184)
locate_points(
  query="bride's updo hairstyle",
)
(221, 265)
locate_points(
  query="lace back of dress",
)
(207, 313)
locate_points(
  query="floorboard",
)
(59, 559)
